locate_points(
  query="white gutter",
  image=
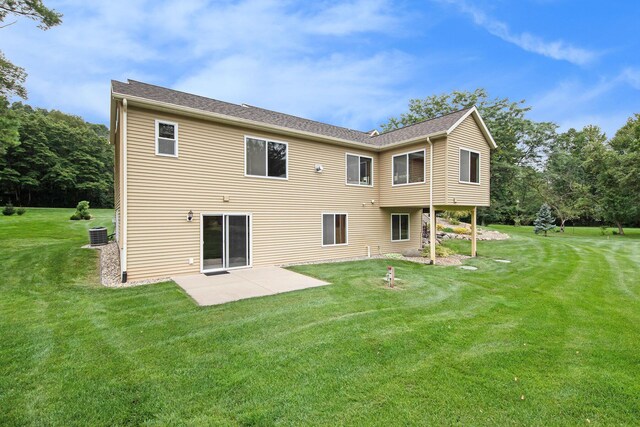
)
(432, 221)
(123, 257)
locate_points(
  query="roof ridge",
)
(245, 105)
(310, 120)
(424, 121)
(186, 93)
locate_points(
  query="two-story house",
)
(203, 185)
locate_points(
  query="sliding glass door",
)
(225, 241)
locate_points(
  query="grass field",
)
(552, 338)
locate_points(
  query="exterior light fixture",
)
(190, 216)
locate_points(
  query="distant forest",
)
(53, 159)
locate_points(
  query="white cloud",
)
(558, 49)
(574, 103)
(342, 89)
(631, 76)
(290, 56)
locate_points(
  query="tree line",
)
(53, 159)
(585, 177)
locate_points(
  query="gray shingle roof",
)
(160, 94)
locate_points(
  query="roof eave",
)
(483, 127)
(112, 119)
(222, 118)
(421, 138)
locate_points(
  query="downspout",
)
(432, 216)
(123, 257)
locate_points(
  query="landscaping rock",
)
(412, 253)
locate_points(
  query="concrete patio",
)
(241, 284)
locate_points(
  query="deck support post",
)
(432, 235)
(474, 231)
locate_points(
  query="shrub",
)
(8, 209)
(441, 251)
(454, 221)
(461, 230)
(447, 230)
(82, 211)
(439, 227)
(21, 211)
(603, 229)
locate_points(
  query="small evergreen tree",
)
(544, 221)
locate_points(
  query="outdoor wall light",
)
(190, 216)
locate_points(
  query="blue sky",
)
(351, 63)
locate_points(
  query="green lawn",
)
(446, 348)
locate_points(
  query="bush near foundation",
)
(441, 251)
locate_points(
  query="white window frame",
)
(346, 170)
(334, 229)
(400, 223)
(461, 149)
(225, 240)
(406, 154)
(266, 158)
(175, 137)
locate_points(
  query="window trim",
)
(346, 165)
(322, 214)
(266, 140)
(175, 135)
(460, 150)
(424, 168)
(408, 227)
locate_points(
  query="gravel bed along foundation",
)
(110, 268)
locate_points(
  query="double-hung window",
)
(399, 227)
(265, 158)
(334, 229)
(359, 170)
(408, 168)
(166, 138)
(469, 166)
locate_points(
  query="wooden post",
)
(432, 235)
(474, 231)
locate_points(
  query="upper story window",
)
(166, 138)
(408, 168)
(469, 166)
(359, 170)
(265, 158)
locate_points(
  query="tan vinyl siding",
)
(439, 171)
(287, 222)
(467, 135)
(402, 195)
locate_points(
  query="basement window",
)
(359, 170)
(399, 227)
(408, 168)
(166, 138)
(266, 159)
(469, 166)
(334, 229)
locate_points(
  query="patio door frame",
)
(225, 240)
